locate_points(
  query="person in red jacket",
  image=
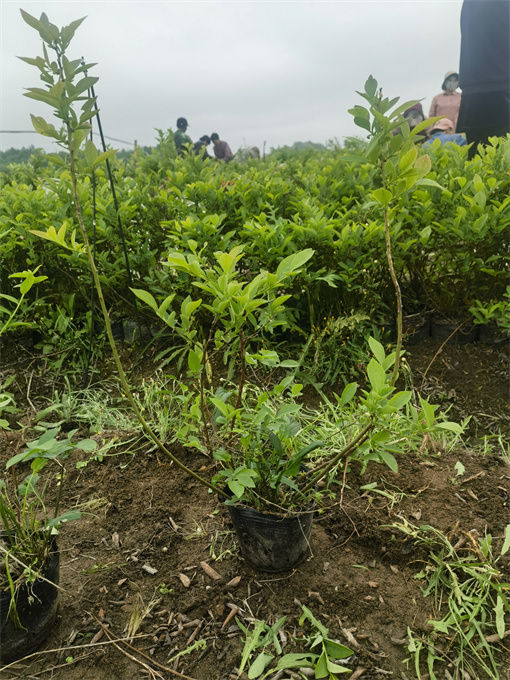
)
(484, 73)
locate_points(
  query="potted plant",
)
(29, 556)
(253, 443)
(266, 474)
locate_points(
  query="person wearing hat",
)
(414, 115)
(181, 139)
(484, 71)
(222, 150)
(443, 130)
(447, 103)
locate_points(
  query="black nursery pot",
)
(441, 330)
(269, 542)
(416, 328)
(36, 605)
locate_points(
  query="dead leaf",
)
(394, 569)
(373, 584)
(416, 515)
(185, 580)
(210, 571)
(234, 582)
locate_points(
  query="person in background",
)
(447, 103)
(414, 115)
(221, 149)
(484, 73)
(443, 130)
(181, 139)
(200, 147)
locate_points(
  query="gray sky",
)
(255, 72)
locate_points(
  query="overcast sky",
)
(253, 71)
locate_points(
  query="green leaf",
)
(292, 262)
(55, 158)
(376, 375)
(506, 542)
(104, 155)
(259, 665)
(500, 617)
(348, 393)
(90, 152)
(406, 160)
(382, 196)
(371, 86)
(31, 21)
(362, 123)
(425, 181)
(87, 445)
(423, 164)
(296, 660)
(194, 361)
(377, 349)
(450, 425)
(389, 460)
(337, 651)
(400, 399)
(359, 112)
(321, 669)
(146, 297)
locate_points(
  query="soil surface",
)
(137, 588)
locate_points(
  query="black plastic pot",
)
(490, 334)
(270, 542)
(441, 329)
(416, 328)
(36, 605)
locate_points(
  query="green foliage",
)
(28, 524)
(322, 654)
(470, 599)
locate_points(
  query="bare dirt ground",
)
(138, 558)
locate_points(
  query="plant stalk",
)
(398, 294)
(122, 376)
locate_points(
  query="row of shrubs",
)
(450, 245)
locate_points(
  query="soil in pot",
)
(461, 333)
(36, 605)
(270, 542)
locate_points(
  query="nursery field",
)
(135, 591)
(263, 405)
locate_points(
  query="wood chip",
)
(175, 526)
(116, 540)
(470, 493)
(185, 580)
(121, 582)
(150, 570)
(229, 618)
(478, 474)
(373, 584)
(97, 636)
(210, 571)
(350, 638)
(357, 673)
(315, 596)
(394, 569)
(234, 582)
